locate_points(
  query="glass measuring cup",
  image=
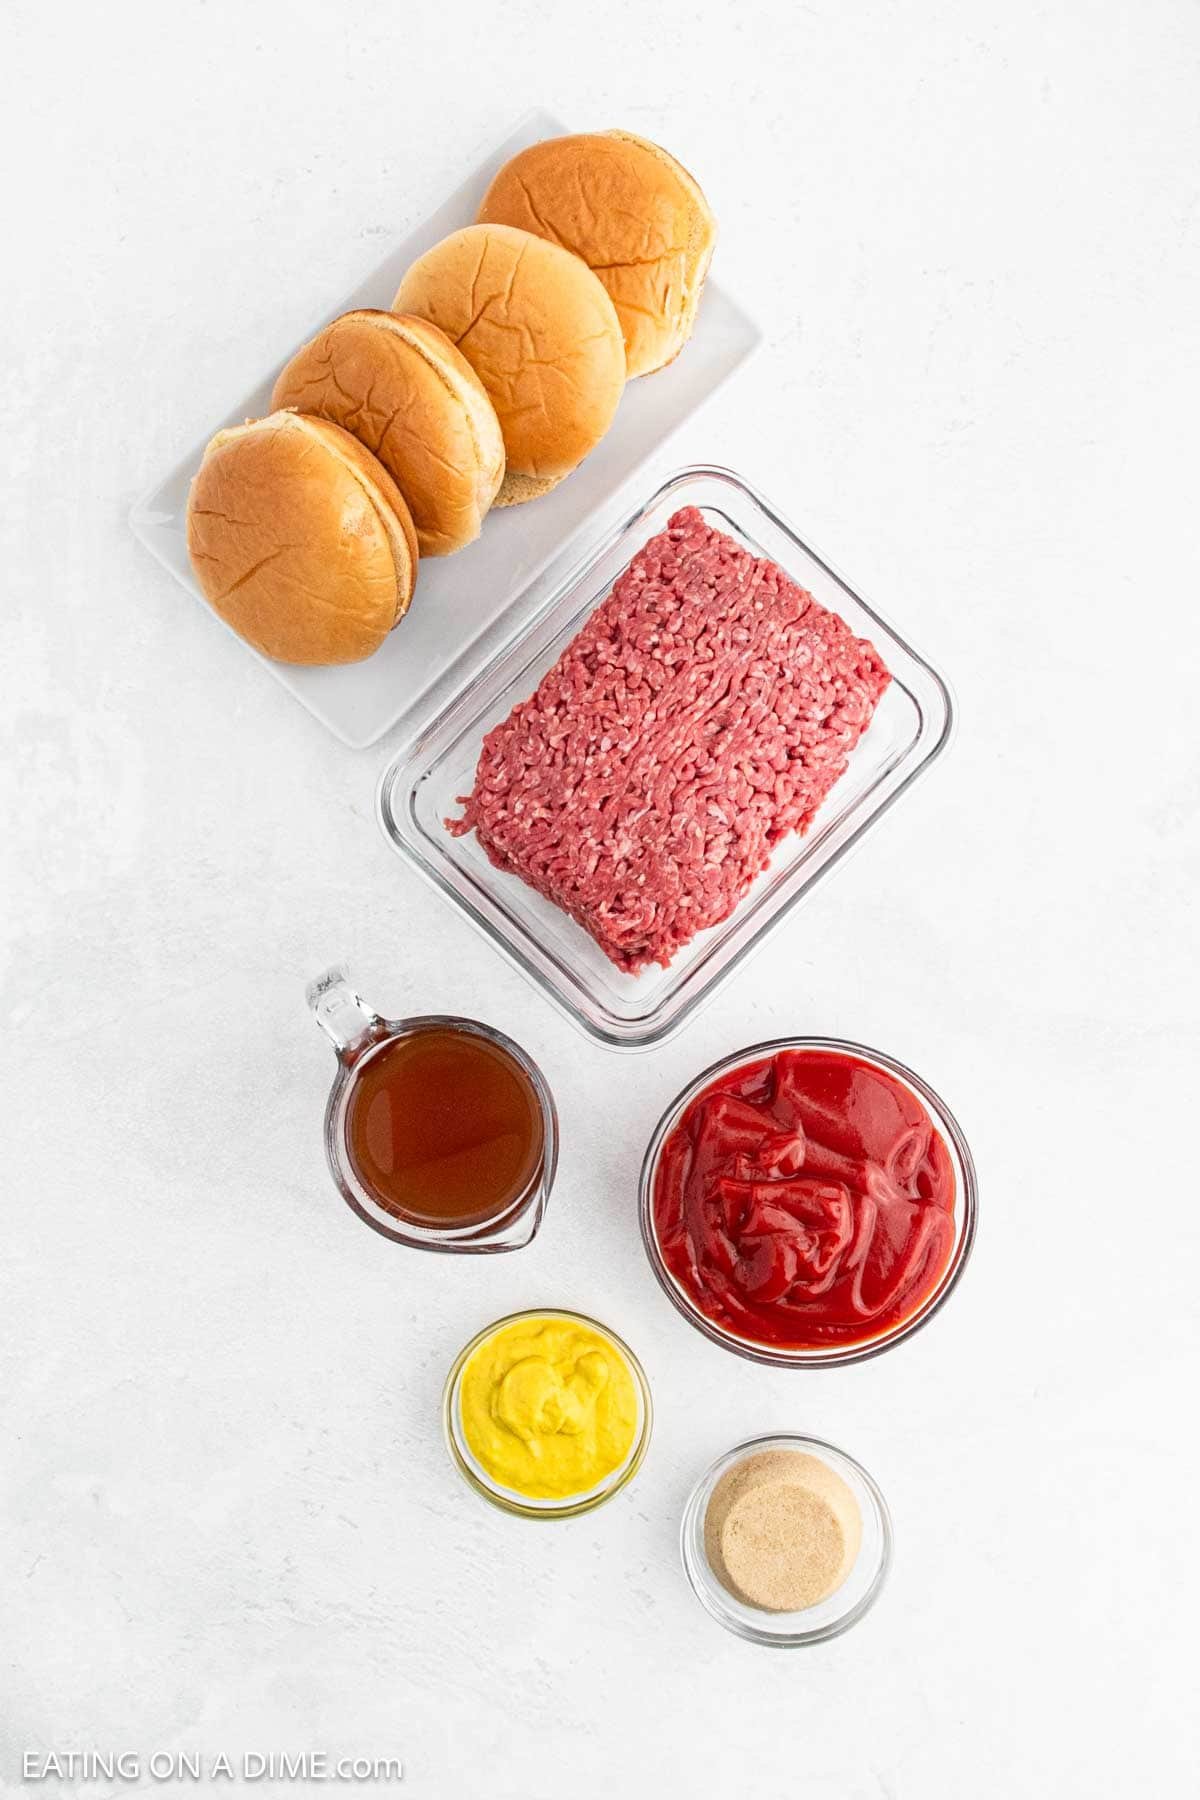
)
(362, 1039)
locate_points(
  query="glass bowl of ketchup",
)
(440, 1132)
(808, 1202)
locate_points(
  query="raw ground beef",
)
(702, 714)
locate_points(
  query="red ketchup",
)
(805, 1201)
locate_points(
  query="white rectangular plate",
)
(464, 604)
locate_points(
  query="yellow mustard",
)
(549, 1407)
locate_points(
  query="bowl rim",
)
(505, 1498)
(705, 1584)
(777, 1356)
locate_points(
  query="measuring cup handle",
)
(347, 1023)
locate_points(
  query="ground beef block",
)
(702, 714)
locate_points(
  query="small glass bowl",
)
(836, 1356)
(508, 1499)
(831, 1616)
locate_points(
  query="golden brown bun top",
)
(300, 540)
(400, 386)
(539, 330)
(633, 214)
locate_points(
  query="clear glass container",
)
(357, 1034)
(424, 784)
(508, 1499)
(829, 1617)
(966, 1201)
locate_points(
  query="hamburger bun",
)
(301, 540)
(399, 385)
(540, 332)
(633, 214)
(516, 489)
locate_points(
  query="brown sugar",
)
(782, 1530)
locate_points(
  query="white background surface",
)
(970, 233)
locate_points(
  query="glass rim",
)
(779, 1356)
(505, 1498)
(491, 1234)
(706, 1585)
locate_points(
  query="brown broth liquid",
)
(444, 1129)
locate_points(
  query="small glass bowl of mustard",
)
(517, 1384)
